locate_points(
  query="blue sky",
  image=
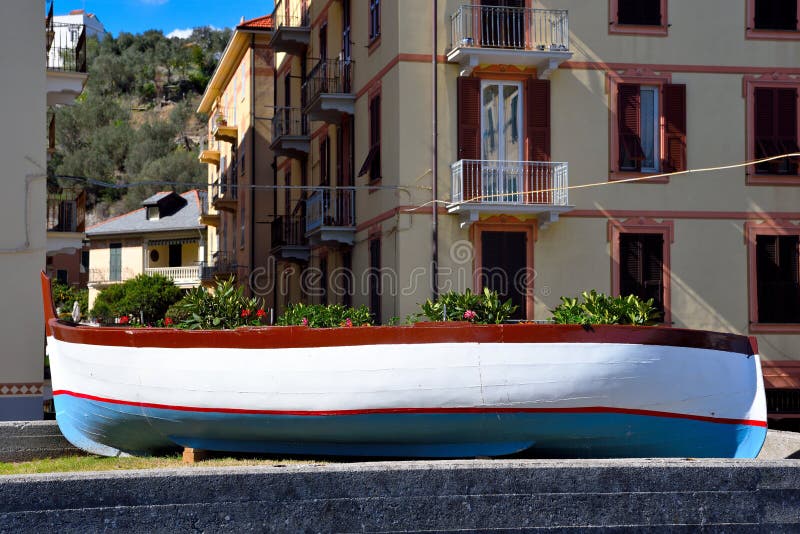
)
(137, 16)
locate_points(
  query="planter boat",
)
(428, 390)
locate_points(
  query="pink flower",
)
(245, 313)
(304, 322)
(261, 313)
(348, 323)
(167, 321)
(469, 315)
(124, 319)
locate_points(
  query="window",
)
(650, 128)
(175, 254)
(152, 213)
(115, 262)
(640, 260)
(62, 276)
(638, 17)
(375, 278)
(641, 267)
(372, 164)
(85, 261)
(501, 121)
(775, 125)
(775, 15)
(778, 278)
(325, 161)
(374, 19)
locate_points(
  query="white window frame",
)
(656, 131)
(501, 118)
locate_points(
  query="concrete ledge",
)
(477, 495)
(33, 440)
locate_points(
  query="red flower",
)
(348, 322)
(305, 321)
(470, 315)
(167, 321)
(124, 319)
(245, 313)
(261, 313)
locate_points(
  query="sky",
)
(173, 17)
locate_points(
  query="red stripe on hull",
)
(324, 413)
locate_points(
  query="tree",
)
(145, 298)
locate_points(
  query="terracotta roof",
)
(77, 12)
(263, 23)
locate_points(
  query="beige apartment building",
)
(528, 146)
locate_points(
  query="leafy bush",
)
(64, 297)
(325, 316)
(145, 298)
(483, 308)
(599, 308)
(225, 307)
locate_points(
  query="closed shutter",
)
(641, 259)
(115, 262)
(778, 279)
(775, 128)
(628, 127)
(469, 134)
(786, 127)
(538, 115)
(675, 127)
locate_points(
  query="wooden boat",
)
(427, 390)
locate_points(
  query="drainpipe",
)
(252, 152)
(435, 161)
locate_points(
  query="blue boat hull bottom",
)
(108, 428)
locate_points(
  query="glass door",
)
(501, 141)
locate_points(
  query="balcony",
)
(331, 216)
(521, 36)
(328, 90)
(223, 132)
(292, 27)
(208, 155)
(186, 276)
(66, 61)
(224, 196)
(290, 136)
(66, 222)
(288, 238)
(223, 265)
(485, 187)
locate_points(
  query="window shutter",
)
(628, 131)
(538, 116)
(778, 275)
(469, 118)
(642, 267)
(675, 127)
(786, 127)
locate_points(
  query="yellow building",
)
(527, 146)
(238, 102)
(165, 236)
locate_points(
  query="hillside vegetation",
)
(135, 121)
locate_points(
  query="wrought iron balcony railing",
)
(66, 46)
(222, 190)
(330, 208)
(291, 13)
(329, 76)
(518, 28)
(289, 122)
(521, 183)
(66, 211)
(222, 263)
(288, 231)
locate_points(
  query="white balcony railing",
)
(189, 274)
(520, 183)
(518, 28)
(330, 207)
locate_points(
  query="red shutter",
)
(628, 127)
(469, 134)
(538, 115)
(675, 127)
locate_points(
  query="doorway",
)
(504, 262)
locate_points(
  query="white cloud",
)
(183, 34)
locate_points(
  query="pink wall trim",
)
(504, 223)
(641, 76)
(628, 29)
(686, 214)
(672, 68)
(751, 33)
(749, 84)
(643, 225)
(751, 230)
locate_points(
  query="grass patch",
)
(99, 463)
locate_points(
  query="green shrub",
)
(483, 308)
(325, 316)
(599, 308)
(225, 307)
(64, 297)
(145, 298)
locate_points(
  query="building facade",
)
(532, 146)
(165, 236)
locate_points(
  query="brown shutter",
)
(786, 127)
(538, 115)
(628, 127)
(778, 275)
(641, 263)
(675, 127)
(469, 134)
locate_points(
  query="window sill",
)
(774, 328)
(373, 44)
(773, 179)
(616, 176)
(772, 35)
(638, 29)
